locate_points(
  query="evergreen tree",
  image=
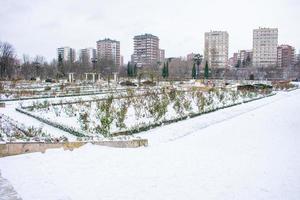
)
(163, 73)
(61, 66)
(206, 71)
(128, 69)
(194, 71)
(238, 64)
(167, 70)
(135, 70)
(244, 63)
(248, 60)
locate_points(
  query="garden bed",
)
(135, 113)
(13, 131)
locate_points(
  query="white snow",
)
(250, 151)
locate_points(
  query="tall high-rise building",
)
(87, 55)
(110, 50)
(265, 42)
(146, 49)
(66, 54)
(216, 48)
(285, 56)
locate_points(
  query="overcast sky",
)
(41, 26)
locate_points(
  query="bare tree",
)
(38, 63)
(7, 59)
(106, 66)
(26, 68)
(180, 68)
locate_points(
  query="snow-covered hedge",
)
(135, 112)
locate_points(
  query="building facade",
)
(121, 60)
(161, 55)
(285, 56)
(146, 49)
(87, 55)
(190, 56)
(110, 50)
(298, 58)
(66, 54)
(245, 57)
(216, 48)
(265, 42)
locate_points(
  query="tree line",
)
(29, 68)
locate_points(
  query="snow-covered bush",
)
(120, 114)
(157, 105)
(12, 131)
(1, 86)
(84, 120)
(104, 116)
(178, 105)
(200, 101)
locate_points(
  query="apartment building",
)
(66, 54)
(110, 50)
(146, 50)
(265, 42)
(216, 48)
(88, 55)
(285, 56)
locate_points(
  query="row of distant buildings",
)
(265, 51)
(146, 52)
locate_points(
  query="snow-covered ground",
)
(250, 151)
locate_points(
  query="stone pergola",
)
(93, 76)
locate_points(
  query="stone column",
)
(115, 77)
(71, 77)
(93, 74)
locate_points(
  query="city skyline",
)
(38, 28)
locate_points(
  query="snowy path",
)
(252, 154)
(7, 192)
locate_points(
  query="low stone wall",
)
(10, 149)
